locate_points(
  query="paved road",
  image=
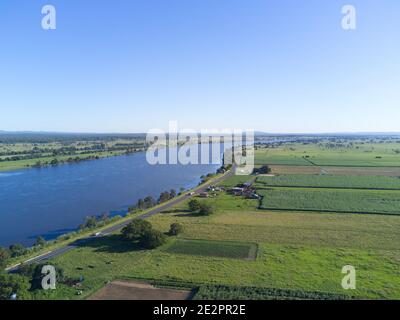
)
(111, 229)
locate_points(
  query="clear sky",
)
(133, 65)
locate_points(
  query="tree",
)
(194, 205)
(206, 209)
(4, 256)
(105, 217)
(136, 229)
(17, 250)
(172, 194)
(164, 196)
(90, 222)
(152, 239)
(149, 202)
(175, 229)
(12, 283)
(140, 204)
(40, 241)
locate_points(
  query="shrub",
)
(194, 205)
(12, 283)
(17, 250)
(40, 241)
(175, 229)
(206, 209)
(152, 239)
(34, 272)
(136, 229)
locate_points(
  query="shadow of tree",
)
(189, 214)
(113, 243)
(175, 211)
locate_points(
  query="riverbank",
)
(7, 166)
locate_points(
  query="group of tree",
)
(149, 201)
(17, 250)
(142, 232)
(201, 208)
(12, 284)
(94, 221)
(146, 203)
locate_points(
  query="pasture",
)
(309, 233)
(331, 181)
(224, 249)
(331, 200)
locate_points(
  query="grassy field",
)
(224, 249)
(235, 180)
(296, 251)
(331, 181)
(300, 254)
(341, 171)
(357, 154)
(332, 200)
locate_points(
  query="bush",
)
(206, 209)
(175, 229)
(34, 272)
(90, 223)
(12, 283)
(40, 241)
(194, 205)
(136, 229)
(17, 250)
(152, 239)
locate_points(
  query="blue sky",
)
(133, 65)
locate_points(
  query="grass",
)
(357, 154)
(332, 181)
(221, 292)
(296, 251)
(234, 250)
(341, 171)
(332, 200)
(300, 254)
(277, 266)
(235, 180)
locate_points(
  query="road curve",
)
(111, 229)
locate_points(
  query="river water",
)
(51, 201)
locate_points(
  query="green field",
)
(224, 249)
(209, 292)
(331, 181)
(235, 180)
(302, 243)
(357, 154)
(332, 200)
(296, 251)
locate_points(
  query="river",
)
(51, 201)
